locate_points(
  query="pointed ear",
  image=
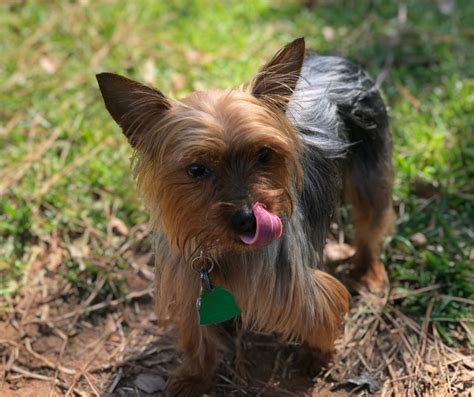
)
(132, 105)
(277, 80)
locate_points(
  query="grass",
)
(65, 166)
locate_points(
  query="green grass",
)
(65, 166)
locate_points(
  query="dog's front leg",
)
(331, 306)
(199, 347)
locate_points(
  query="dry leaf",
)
(150, 383)
(335, 252)
(199, 86)
(424, 189)
(328, 33)
(55, 258)
(193, 56)
(366, 381)
(110, 326)
(178, 81)
(431, 369)
(419, 239)
(148, 72)
(48, 65)
(78, 250)
(117, 227)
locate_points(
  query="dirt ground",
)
(58, 338)
(118, 349)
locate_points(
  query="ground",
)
(75, 274)
(55, 341)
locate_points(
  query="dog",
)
(242, 185)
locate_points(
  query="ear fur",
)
(277, 80)
(131, 104)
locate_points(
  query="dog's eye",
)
(264, 155)
(198, 171)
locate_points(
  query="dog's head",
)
(217, 168)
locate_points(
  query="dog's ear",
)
(132, 105)
(277, 80)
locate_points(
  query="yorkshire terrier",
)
(242, 185)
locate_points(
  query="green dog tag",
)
(217, 305)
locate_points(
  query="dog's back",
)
(345, 128)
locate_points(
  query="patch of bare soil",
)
(84, 337)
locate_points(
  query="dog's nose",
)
(243, 220)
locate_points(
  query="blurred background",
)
(70, 218)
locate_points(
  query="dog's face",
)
(217, 168)
(224, 152)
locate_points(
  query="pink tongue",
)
(268, 227)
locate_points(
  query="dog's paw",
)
(180, 385)
(375, 279)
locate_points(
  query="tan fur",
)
(208, 128)
(224, 130)
(312, 311)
